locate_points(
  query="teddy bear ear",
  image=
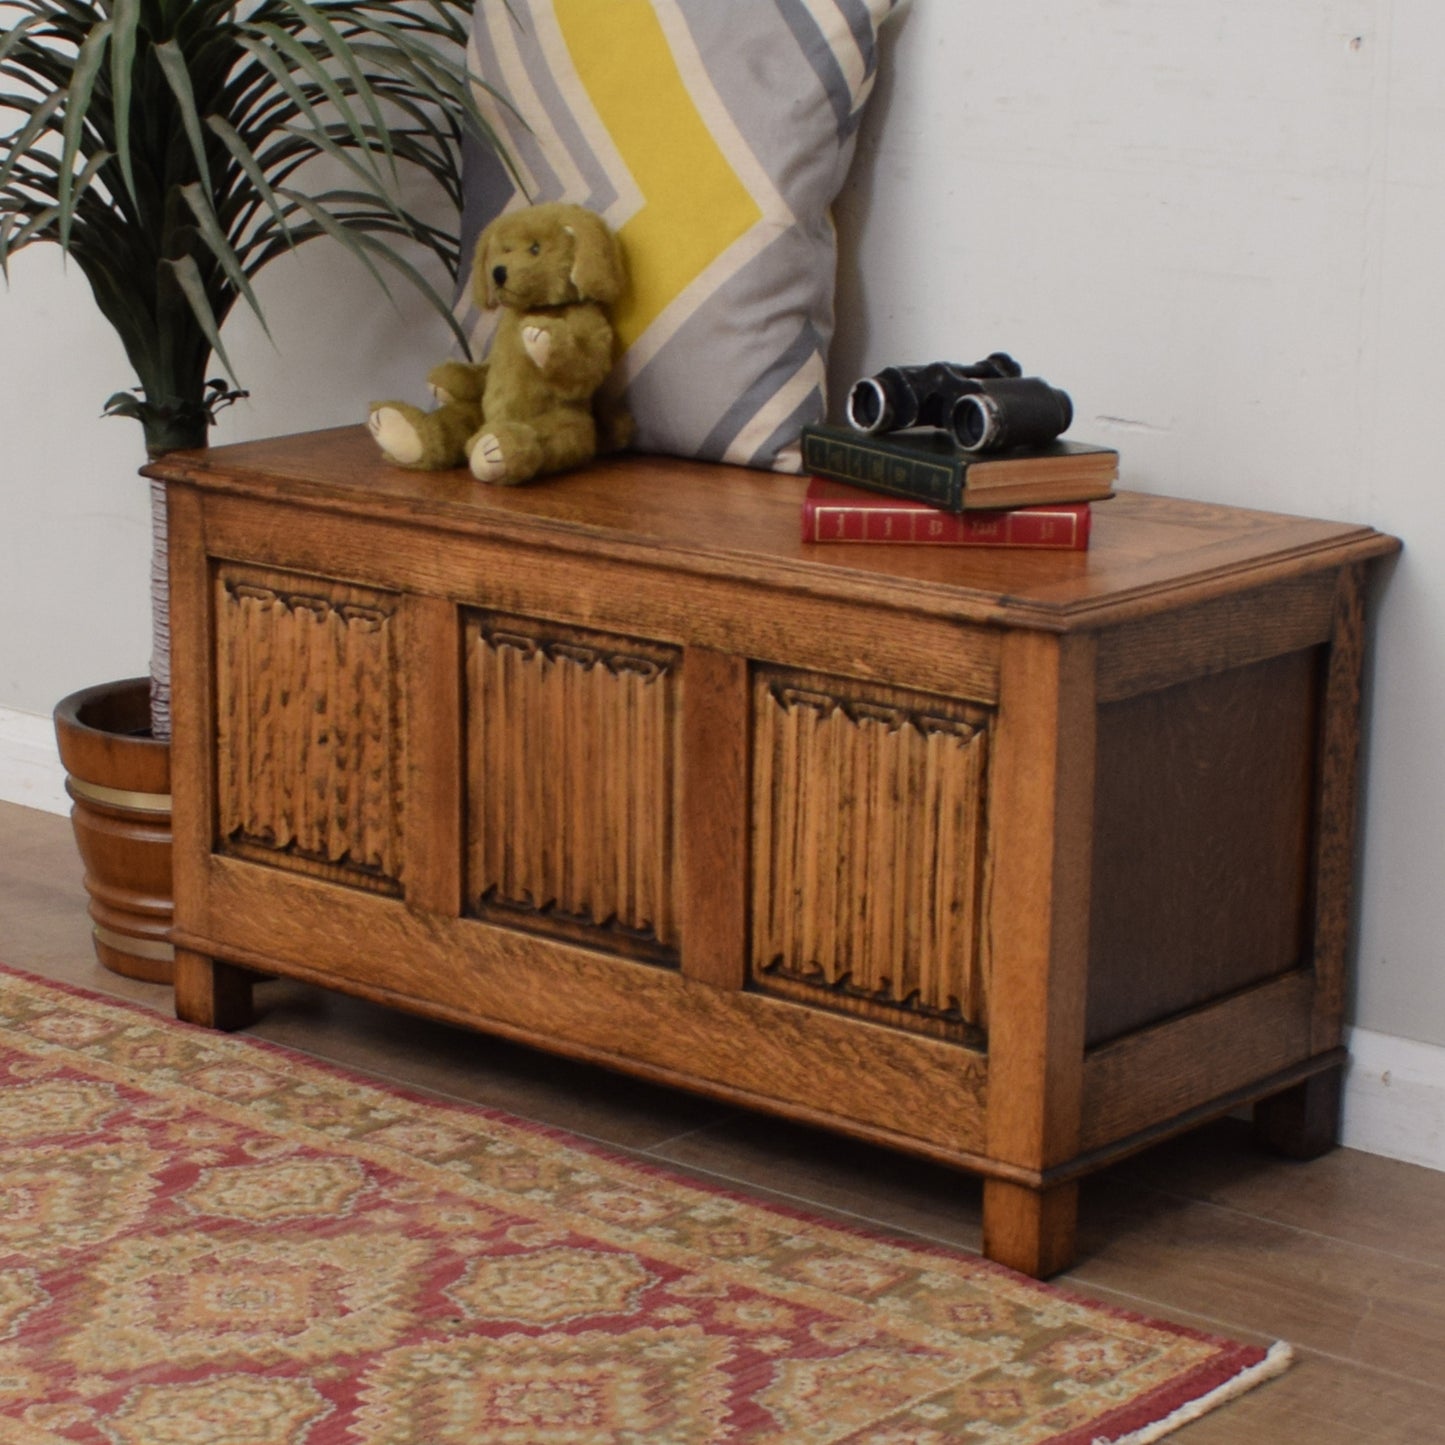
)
(483, 292)
(596, 258)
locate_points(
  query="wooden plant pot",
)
(119, 781)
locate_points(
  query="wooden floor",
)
(1344, 1257)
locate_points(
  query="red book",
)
(835, 512)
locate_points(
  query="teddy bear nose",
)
(499, 275)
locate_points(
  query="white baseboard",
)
(30, 771)
(1395, 1098)
(1394, 1090)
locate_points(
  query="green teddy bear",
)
(553, 269)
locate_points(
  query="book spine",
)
(1061, 528)
(865, 464)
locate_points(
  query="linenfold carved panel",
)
(571, 782)
(309, 747)
(868, 866)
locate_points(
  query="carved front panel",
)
(309, 744)
(571, 782)
(868, 850)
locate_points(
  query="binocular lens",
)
(975, 422)
(1010, 412)
(868, 408)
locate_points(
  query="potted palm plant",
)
(173, 149)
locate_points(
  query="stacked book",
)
(920, 486)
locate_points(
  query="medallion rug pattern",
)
(208, 1240)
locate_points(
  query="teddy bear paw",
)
(537, 342)
(398, 439)
(488, 461)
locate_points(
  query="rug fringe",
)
(1276, 1362)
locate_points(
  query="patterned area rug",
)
(207, 1240)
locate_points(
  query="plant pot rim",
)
(78, 708)
(102, 734)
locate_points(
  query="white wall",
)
(74, 516)
(1219, 226)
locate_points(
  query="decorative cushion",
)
(713, 135)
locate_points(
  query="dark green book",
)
(927, 465)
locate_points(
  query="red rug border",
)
(1136, 1421)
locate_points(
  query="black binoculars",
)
(986, 405)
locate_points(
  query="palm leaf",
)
(326, 221)
(193, 287)
(125, 15)
(303, 60)
(444, 85)
(26, 145)
(16, 35)
(353, 230)
(177, 72)
(245, 158)
(82, 83)
(219, 245)
(165, 144)
(14, 237)
(340, 50)
(267, 55)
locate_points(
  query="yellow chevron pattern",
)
(694, 203)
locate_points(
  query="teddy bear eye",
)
(535, 249)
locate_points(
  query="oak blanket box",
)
(1016, 860)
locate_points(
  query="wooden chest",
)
(1017, 860)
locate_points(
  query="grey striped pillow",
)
(714, 138)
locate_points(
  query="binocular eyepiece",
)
(987, 405)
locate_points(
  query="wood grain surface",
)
(1013, 860)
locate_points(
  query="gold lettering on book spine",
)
(309, 740)
(868, 852)
(572, 781)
